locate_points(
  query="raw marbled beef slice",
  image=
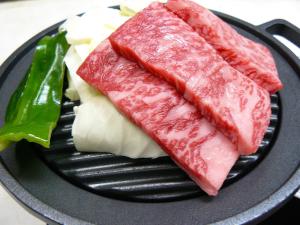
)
(248, 57)
(155, 106)
(168, 47)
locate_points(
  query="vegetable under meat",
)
(34, 108)
(83, 90)
(98, 126)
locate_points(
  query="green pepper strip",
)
(34, 108)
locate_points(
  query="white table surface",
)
(20, 20)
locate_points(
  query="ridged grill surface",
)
(136, 179)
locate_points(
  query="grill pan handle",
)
(290, 32)
(283, 28)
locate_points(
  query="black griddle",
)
(142, 180)
(63, 186)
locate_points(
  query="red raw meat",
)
(168, 47)
(248, 57)
(151, 103)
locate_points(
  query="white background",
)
(21, 20)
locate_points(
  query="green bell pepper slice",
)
(34, 107)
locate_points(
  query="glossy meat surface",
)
(169, 48)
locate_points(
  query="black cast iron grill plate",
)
(147, 180)
(258, 194)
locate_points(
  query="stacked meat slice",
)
(248, 57)
(199, 109)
